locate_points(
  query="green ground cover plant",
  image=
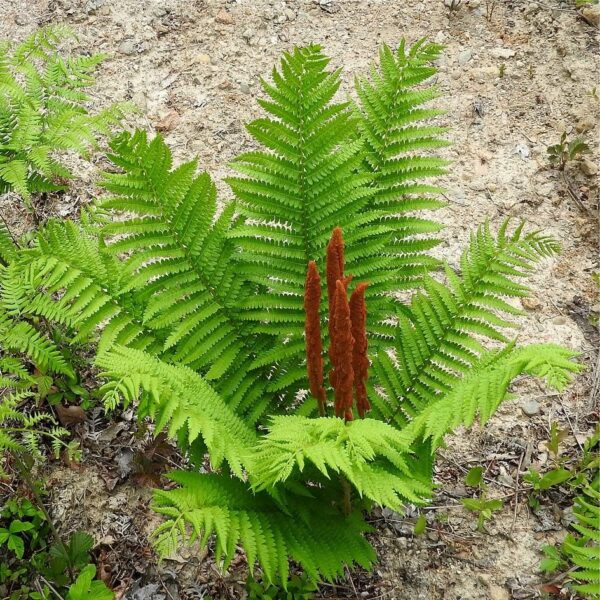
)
(44, 112)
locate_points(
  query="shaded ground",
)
(511, 83)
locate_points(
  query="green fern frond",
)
(583, 550)
(486, 385)
(311, 179)
(398, 136)
(70, 265)
(370, 454)
(179, 401)
(177, 256)
(22, 431)
(22, 337)
(307, 530)
(8, 248)
(43, 111)
(440, 335)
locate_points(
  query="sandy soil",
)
(512, 82)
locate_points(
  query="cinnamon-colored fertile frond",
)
(360, 361)
(341, 345)
(335, 270)
(312, 330)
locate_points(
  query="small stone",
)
(203, 59)
(592, 14)
(464, 57)
(567, 517)
(224, 17)
(21, 20)
(589, 167)
(290, 14)
(440, 37)
(140, 100)
(127, 47)
(434, 536)
(586, 124)
(531, 303)
(92, 6)
(498, 593)
(244, 88)
(478, 185)
(504, 477)
(559, 320)
(531, 9)
(502, 53)
(530, 408)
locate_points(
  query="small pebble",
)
(127, 47)
(464, 57)
(502, 52)
(224, 17)
(92, 6)
(592, 14)
(530, 303)
(586, 124)
(530, 408)
(244, 88)
(589, 167)
(203, 59)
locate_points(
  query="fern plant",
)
(579, 554)
(24, 428)
(215, 322)
(26, 431)
(44, 112)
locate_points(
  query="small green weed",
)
(31, 565)
(565, 151)
(482, 506)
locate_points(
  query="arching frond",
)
(372, 456)
(441, 335)
(481, 391)
(306, 529)
(180, 401)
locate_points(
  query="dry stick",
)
(50, 587)
(573, 193)
(352, 583)
(162, 583)
(569, 421)
(512, 527)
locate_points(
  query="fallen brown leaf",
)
(70, 415)
(169, 121)
(551, 588)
